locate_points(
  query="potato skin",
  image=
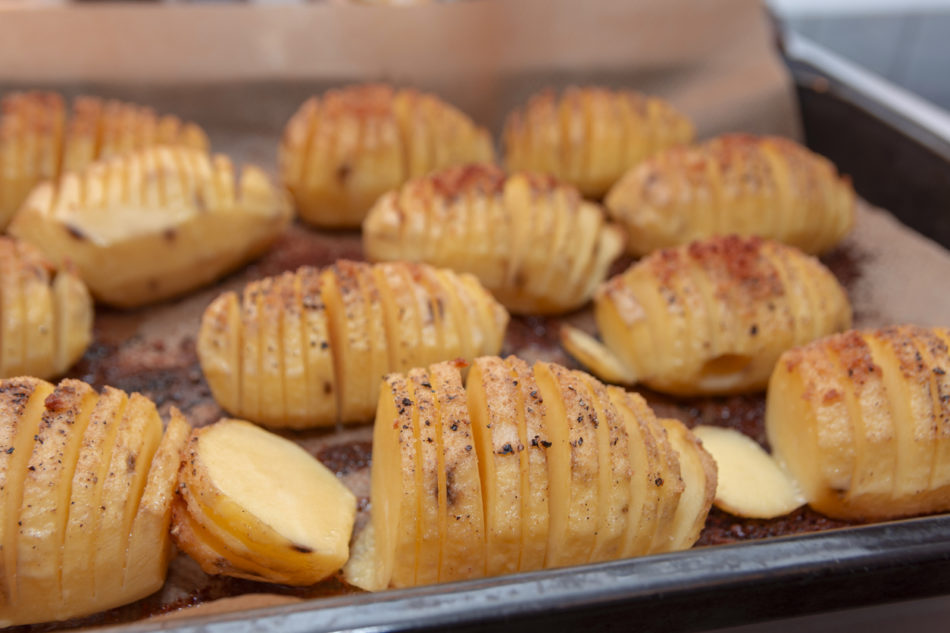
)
(532, 241)
(580, 513)
(860, 420)
(590, 136)
(712, 317)
(342, 150)
(735, 183)
(39, 140)
(154, 224)
(45, 316)
(354, 323)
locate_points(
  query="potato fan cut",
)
(533, 242)
(736, 183)
(255, 505)
(86, 485)
(39, 140)
(523, 468)
(711, 317)
(309, 348)
(590, 136)
(153, 224)
(862, 421)
(343, 150)
(45, 315)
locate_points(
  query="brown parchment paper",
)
(241, 72)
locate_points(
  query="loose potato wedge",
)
(39, 140)
(525, 468)
(237, 473)
(590, 136)
(343, 150)
(154, 224)
(734, 183)
(45, 315)
(859, 397)
(69, 447)
(750, 483)
(711, 317)
(509, 231)
(357, 322)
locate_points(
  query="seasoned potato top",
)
(45, 315)
(343, 150)
(862, 420)
(38, 141)
(590, 136)
(734, 183)
(152, 224)
(712, 316)
(534, 243)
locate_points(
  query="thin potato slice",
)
(236, 471)
(430, 477)
(700, 478)
(750, 483)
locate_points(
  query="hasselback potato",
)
(343, 150)
(45, 315)
(38, 141)
(153, 224)
(533, 242)
(735, 183)
(309, 348)
(862, 421)
(85, 499)
(590, 136)
(711, 317)
(254, 505)
(522, 468)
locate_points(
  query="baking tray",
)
(897, 150)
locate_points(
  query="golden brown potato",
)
(39, 142)
(859, 419)
(590, 136)
(45, 315)
(341, 151)
(525, 468)
(736, 183)
(154, 224)
(534, 243)
(711, 317)
(255, 505)
(309, 348)
(104, 458)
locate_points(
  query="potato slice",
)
(711, 317)
(669, 486)
(308, 348)
(430, 476)
(157, 235)
(499, 223)
(576, 135)
(735, 183)
(238, 473)
(342, 151)
(750, 483)
(700, 477)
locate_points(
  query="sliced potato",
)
(711, 317)
(505, 228)
(70, 447)
(154, 224)
(590, 136)
(238, 475)
(751, 484)
(357, 322)
(341, 151)
(700, 477)
(38, 140)
(45, 316)
(864, 398)
(735, 183)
